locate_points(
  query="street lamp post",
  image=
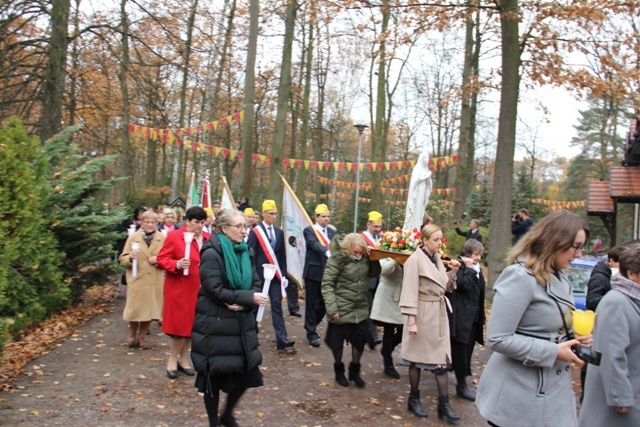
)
(361, 129)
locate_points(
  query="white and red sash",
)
(322, 238)
(270, 254)
(368, 238)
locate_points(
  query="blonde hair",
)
(427, 231)
(149, 215)
(553, 234)
(351, 240)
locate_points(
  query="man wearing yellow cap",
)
(317, 239)
(251, 217)
(208, 223)
(372, 236)
(267, 242)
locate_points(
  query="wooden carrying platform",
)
(399, 257)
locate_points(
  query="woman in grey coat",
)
(611, 389)
(527, 381)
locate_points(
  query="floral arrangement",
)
(400, 240)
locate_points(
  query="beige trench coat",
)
(423, 290)
(144, 292)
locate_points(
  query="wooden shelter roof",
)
(625, 184)
(599, 200)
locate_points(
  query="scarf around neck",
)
(626, 286)
(237, 263)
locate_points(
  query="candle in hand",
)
(188, 238)
(269, 272)
(135, 247)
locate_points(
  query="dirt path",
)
(94, 379)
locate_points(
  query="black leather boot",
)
(340, 378)
(389, 368)
(354, 374)
(415, 406)
(445, 411)
(464, 391)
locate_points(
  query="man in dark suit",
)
(472, 233)
(268, 243)
(317, 239)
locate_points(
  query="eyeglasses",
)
(240, 227)
(577, 248)
(150, 222)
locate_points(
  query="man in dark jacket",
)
(521, 224)
(600, 279)
(472, 233)
(317, 239)
(267, 242)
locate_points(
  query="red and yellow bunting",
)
(435, 163)
(180, 137)
(557, 204)
(170, 135)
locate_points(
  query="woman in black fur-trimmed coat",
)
(224, 349)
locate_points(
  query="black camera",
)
(587, 354)
(517, 217)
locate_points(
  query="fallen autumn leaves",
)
(38, 341)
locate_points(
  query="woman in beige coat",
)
(144, 291)
(425, 340)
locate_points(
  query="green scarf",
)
(237, 263)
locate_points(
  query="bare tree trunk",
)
(55, 72)
(304, 131)
(284, 88)
(126, 157)
(378, 139)
(464, 171)
(500, 237)
(177, 178)
(249, 99)
(73, 80)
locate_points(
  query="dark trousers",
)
(275, 296)
(371, 294)
(314, 309)
(391, 337)
(292, 297)
(461, 354)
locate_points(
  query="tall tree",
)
(249, 98)
(126, 157)
(500, 237)
(466, 159)
(284, 89)
(177, 177)
(53, 80)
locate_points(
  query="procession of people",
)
(429, 311)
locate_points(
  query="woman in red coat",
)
(180, 290)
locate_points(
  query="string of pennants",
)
(556, 204)
(365, 199)
(178, 137)
(174, 135)
(367, 186)
(435, 163)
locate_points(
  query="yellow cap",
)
(209, 211)
(322, 209)
(269, 205)
(249, 211)
(375, 216)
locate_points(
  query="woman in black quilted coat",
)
(225, 343)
